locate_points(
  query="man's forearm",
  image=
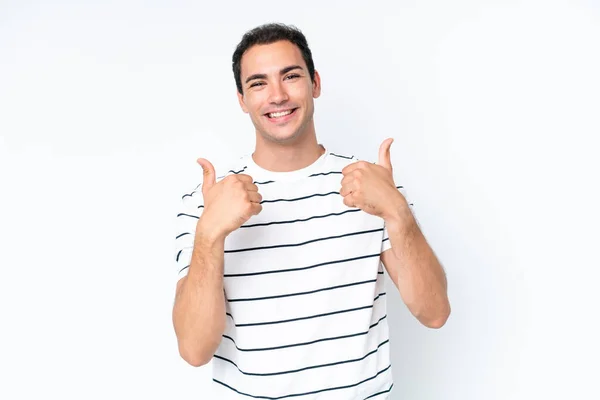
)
(417, 273)
(199, 310)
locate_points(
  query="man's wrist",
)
(400, 217)
(208, 233)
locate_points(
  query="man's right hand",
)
(227, 204)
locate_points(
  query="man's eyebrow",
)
(256, 76)
(288, 69)
(282, 72)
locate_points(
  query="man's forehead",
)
(270, 58)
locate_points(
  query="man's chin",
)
(281, 137)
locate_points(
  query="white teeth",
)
(279, 114)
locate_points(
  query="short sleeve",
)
(385, 244)
(190, 210)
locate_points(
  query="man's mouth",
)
(280, 114)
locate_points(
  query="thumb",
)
(384, 154)
(209, 174)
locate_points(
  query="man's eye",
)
(292, 76)
(257, 84)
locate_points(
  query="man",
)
(280, 261)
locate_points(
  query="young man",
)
(280, 261)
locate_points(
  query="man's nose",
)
(278, 94)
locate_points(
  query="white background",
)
(495, 108)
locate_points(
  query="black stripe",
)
(233, 172)
(380, 273)
(399, 187)
(305, 368)
(178, 254)
(387, 238)
(187, 215)
(189, 194)
(183, 234)
(187, 266)
(201, 206)
(301, 220)
(283, 321)
(337, 155)
(303, 293)
(301, 268)
(307, 393)
(307, 343)
(378, 393)
(303, 243)
(310, 176)
(194, 191)
(300, 198)
(325, 173)
(237, 172)
(305, 197)
(379, 295)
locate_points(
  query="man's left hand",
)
(371, 187)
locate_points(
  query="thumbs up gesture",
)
(228, 203)
(371, 187)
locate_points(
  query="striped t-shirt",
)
(304, 289)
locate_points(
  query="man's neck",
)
(278, 157)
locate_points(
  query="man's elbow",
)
(435, 321)
(195, 358)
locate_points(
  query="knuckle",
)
(230, 181)
(238, 183)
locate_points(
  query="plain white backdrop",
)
(495, 111)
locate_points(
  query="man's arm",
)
(199, 310)
(415, 270)
(410, 261)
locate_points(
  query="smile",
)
(280, 114)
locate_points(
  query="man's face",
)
(278, 92)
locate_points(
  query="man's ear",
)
(241, 101)
(316, 91)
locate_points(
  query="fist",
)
(371, 187)
(229, 203)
